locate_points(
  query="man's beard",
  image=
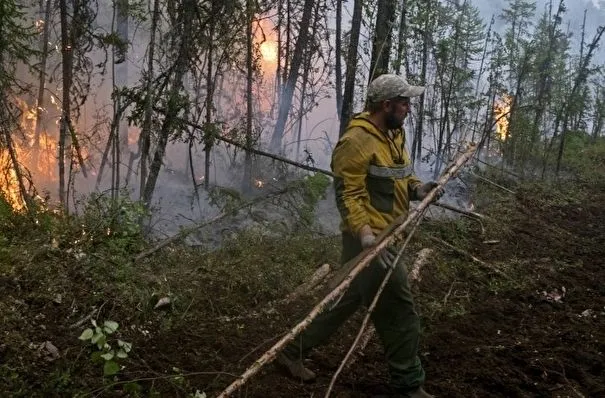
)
(392, 122)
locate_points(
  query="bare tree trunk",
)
(288, 93)
(417, 142)
(247, 183)
(173, 108)
(208, 139)
(338, 55)
(66, 52)
(349, 92)
(41, 83)
(583, 73)
(145, 137)
(381, 46)
(402, 37)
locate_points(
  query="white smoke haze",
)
(175, 198)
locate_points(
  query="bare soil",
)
(540, 332)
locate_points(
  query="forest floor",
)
(536, 328)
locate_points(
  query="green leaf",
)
(110, 326)
(121, 354)
(107, 356)
(102, 342)
(86, 334)
(125, 345)
(110, 368)
(97, 336)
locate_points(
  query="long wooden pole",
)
(352, 269)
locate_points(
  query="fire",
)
(258, 183)
(41, 161)
(268, 50)
(501, 113)
(265, 38)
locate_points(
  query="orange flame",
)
(41, 161)
(502, 114)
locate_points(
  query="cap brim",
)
(413, 91)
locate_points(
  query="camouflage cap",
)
(388, 86)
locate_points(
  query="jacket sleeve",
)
(350, 163)
(413, 183)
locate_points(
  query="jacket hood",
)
(362, 120)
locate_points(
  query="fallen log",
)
(316, 279)
(350, 270)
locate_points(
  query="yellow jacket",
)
(373, 176)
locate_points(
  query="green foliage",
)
(313, 188)
(227, 199)
(105, 349)
(584, 157)
(116, 223)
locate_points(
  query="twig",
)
(354, 267)
(469, 255)
(118, 383)
(492, 183)
(449, 292)
(471, 214)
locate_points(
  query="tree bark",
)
(338, 55)
(297, 57)
(145, 137)
(349, 91)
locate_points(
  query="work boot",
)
(419, 393)
(295, 368)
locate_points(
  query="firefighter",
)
(374, 184)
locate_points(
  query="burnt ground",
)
(536, 328)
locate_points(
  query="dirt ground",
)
(539, 334)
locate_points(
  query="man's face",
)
(396, 110)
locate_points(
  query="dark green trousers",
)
(394, 318)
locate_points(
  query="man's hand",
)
(386, 257)
(423, 190)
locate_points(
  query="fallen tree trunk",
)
(350, 270)
(316, 279)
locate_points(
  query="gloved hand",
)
(423, 190)
(386, 257)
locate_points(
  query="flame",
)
(268, 51)
(265, 38)
(258, 183)
(41, 162)
(501, 112)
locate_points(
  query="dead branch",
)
(187, 231)
(471, 214)
(352, 269)
(469, 255)
(493, 183)
(257, 151)
(320, 274)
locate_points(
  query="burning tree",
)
(15, 49)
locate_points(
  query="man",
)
(374, 183)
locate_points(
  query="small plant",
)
(105, 347)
